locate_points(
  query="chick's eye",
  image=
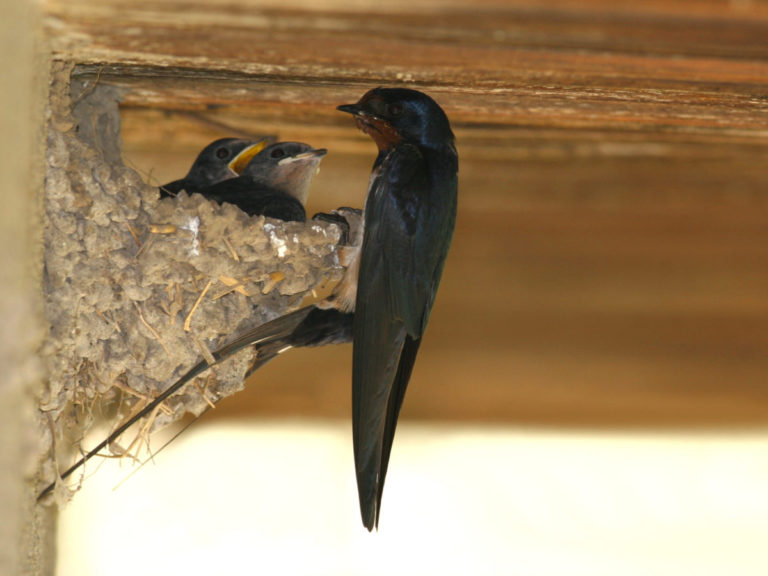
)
(395, 109)
(277, 153)
(221, 153)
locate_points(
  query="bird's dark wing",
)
(402, 251)
(280, 206)
(404, 369)
(171, 189)
(322, 327)
(306, 327)
(254, 199)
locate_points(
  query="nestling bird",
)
(409, 217)
(221, 160)
(275, 183)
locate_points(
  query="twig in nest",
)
(320, 292)
(204, 350)
(162, 228)
(188, 320)
(272, 280)
(203, 394)
(88, 89)
(143, 397)
(142, 436)
(133, 233)
(103, 316)
(231, 249)
(145, 247)
(234, 284)
(175, 301)
(154, 332)
(163, 447)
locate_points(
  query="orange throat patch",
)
(380, 130)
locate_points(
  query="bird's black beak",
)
(319, 152)
(349, 108)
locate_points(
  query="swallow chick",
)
(221, 160)
(275, 183)
(409, 217)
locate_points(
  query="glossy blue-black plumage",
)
(256, 199)
(410, 212)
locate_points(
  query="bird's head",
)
(393, 115)
(286, 166)
(224, 158)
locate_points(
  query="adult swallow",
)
(319, 324)
(409, 217)
(275, 183)
(220, 160)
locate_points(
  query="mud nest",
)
(138, 289)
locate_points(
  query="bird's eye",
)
(222, 153)
(395, 110)
(277, 153)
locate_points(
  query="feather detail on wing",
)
(392, 298)
(254, 199)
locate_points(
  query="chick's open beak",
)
(314, 153)
(239, 162)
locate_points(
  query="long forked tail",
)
(319, 327)
(272, 335)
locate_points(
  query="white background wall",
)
(279, 498)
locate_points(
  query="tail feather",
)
(277, 329)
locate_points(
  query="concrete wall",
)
(26, 530)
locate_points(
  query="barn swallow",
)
(409, 217)
(319, 324)
(220, 160)
(275, 183)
